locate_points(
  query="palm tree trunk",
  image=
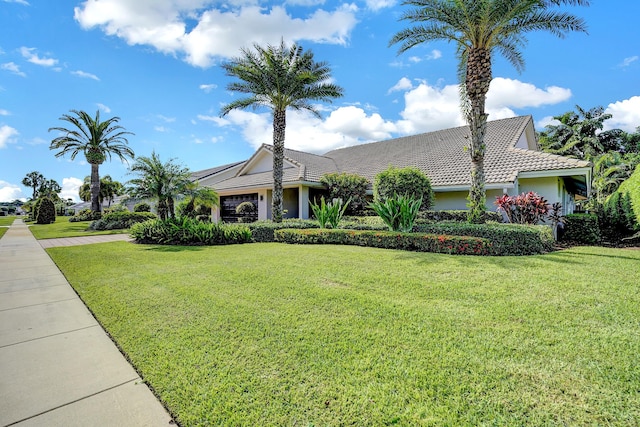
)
(95, 188)
(477, 81)
(279, 125)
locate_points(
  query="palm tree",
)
(97, 140)
(480, 28)
(34, 180)
(579, 134)
(157, 180)
(50, 188)
(279, 78)
(199, 199)
(109, 189)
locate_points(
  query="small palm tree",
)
(158, 180)
(34, 180)
(279, 78)
(97, 140)
(481, 28)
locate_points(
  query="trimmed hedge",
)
(263, 231)
(455, 245)
(506, 239)
(457, 216)
(189, 232)
(582, 229)
(86, 215)
(120, 220)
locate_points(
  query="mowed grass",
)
(286, 335)
(63, 228)
(5, 222)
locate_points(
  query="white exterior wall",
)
(549, 187)
(457, 200)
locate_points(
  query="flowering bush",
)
(526, 208)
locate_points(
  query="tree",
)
(109, 189)
(97, 140)
(579, 134)
(199, 200)
(278, 78)
(157, 180)
(480, 29)
(34, 180)
(50, 188)
(347, 187)
(407, 181)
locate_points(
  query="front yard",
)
(271, 334)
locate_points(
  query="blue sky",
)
(154, 64)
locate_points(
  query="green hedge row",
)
(506, 239)
(457, 245)
(581, 229)
(263, 230)
(457, 216)
(120, 220)
(189, 232)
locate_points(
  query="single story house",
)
(513, 164)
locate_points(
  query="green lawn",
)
(7, 220)
(63, 228)
(285, 335)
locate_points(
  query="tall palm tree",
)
(158, 180)
(279, 78)
(34, 180)
(481, 28)
(97, 140)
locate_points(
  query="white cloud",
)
(22, 2)
(160, 129)
(7, 134)
(29, 54)
(166, 119)
(13, 68)
(218, 32)
(427, 108)
(208, 87)
(4, 112)
(70, 188)
(547, 121)
(103, 108)
(379, 4)
(514, 93)
(9, 192)
(402, 85)
(628, 61)
(626, 114)
(85, 75)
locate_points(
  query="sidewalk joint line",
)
(40, 303)
(51, 335)
(72, 402)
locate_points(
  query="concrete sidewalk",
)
(57, 365)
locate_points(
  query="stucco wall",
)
(457, 200)
(549, 187)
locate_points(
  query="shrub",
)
(142, 207)
(85, 215)
(525, 208)
(115, 208)
(506, 239)
(398, 212)
(581, 228)
(189, 232)
(346, 186)
(329, 213)
(407, 181)
(44, 211)
(457, 215)
(459, 245)
(263, 231)
(120, 220)
(247, 211)
(363, 223)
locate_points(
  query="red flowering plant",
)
(525, 208)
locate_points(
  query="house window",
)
(228, 206)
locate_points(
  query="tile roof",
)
(441, 155)
(198, 175)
